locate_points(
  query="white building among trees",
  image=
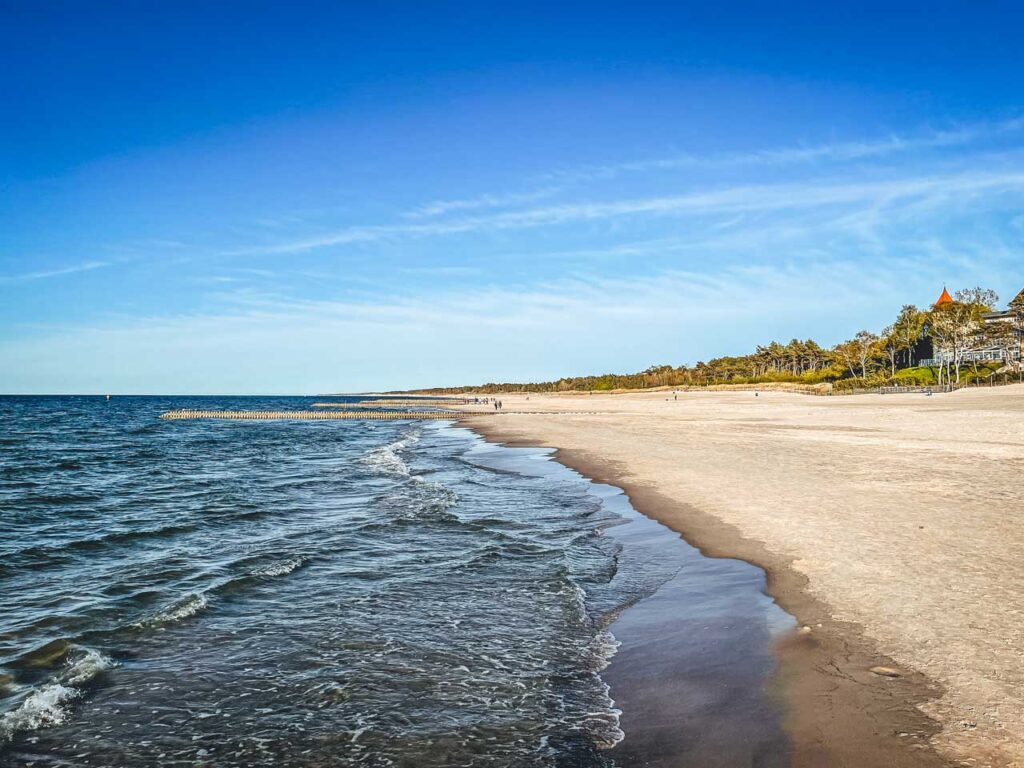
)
(966, 330)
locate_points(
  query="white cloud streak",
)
(825, 255)
(835, 152)
(57, 272)
(444, 207)
(567, 326)
(926, 191)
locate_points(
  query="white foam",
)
(49, 705)
(86, 667)
(181, 610)
(605, 647)
(604, 724)
(387, 458)
(442, 496)
(41, 709)
(278, 569)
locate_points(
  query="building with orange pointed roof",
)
(1009, 350)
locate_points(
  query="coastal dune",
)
(889, 526)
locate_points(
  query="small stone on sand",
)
(886, 671)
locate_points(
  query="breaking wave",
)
(281, 568)
(388, 459)
(179, 611)
(50, 704)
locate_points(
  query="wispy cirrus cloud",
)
(515, 332)
(577, 277)
(444, 207)
(836, 152)
(55, 272)
(922, 191)
(858, 198)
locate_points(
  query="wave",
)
(90, 664)
(418, 497)
(179, 611)
(438, 495)
(281, 568)
(50, 704)
(65, 548)
(601, 722)
(604, 723)
(387, 458)
(58, 500)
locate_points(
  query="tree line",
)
(866, 360)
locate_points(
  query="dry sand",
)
(890, 525)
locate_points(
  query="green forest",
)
(892, 356)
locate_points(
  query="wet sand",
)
(888, 526)
(695, 658)
(694, 651)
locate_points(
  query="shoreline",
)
(689, 679)
(837, 712)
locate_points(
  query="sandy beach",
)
(889, 526)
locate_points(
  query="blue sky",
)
(312, 197)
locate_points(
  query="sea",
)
(349, 593)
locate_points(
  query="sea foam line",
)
(605, 724)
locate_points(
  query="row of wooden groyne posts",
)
(308, 415)
(390, 403)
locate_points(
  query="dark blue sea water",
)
(302, 593)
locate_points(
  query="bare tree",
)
(982, 299)
(846, 355)
(956, 327)
(892, 345)
(858, 352)
(866, 344)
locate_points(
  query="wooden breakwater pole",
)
(187, 414)
(389, 404)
